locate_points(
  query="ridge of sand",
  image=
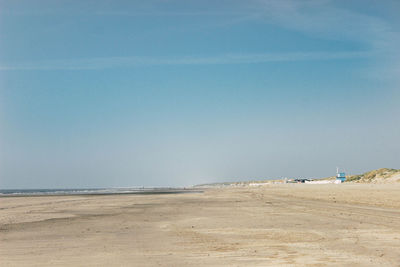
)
(379, 176)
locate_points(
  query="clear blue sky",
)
(154, 93)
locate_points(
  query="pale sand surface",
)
(273, 225)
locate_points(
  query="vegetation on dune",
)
(367, 177)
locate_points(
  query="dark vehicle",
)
(302, 180)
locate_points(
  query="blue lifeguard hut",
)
(340, 175)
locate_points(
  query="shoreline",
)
(96, 192)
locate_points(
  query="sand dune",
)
(380, 176)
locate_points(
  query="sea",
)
(96, 191)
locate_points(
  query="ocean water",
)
(95, 191)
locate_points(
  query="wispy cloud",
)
(325, 19)
(121, 62)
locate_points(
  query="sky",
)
(113, 93)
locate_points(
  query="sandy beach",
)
(270, 225)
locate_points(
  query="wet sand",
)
(272, 225)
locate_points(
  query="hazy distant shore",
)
(276, 224)
(93, 192)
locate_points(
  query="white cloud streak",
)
(124, 62)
